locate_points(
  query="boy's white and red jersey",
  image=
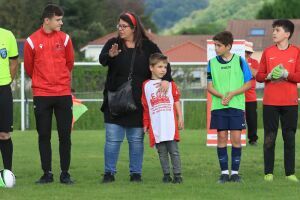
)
(159, 114)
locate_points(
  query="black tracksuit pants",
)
(288, 117)
(44, 106)
(251, 120)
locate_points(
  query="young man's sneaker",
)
(223, 178)
(46, 178)
(269, 177)
(134, 177)
(167, 178)
(253, 143)
(235, 178)
(177, 178)
(65, 178)
(108, 178)
(292, 178)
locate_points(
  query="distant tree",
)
(280, 9)
(202, 29)
(84, 20)
(172, 11)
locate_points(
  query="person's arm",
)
(13, 67)
(213, 91)
(246, 86)
(146, 115)
(210, 87)
(231, 94)
(28, 57)
(295, 76)
(262, 70)
(69, 54)
(179, 115)
(176, 97)
(13, 56)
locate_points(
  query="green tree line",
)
(84, 20)
(172, 11)
(215, 16)
(280, 9)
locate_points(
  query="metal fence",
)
(198, 70)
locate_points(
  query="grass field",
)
(199, 164)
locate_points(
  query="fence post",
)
(182, 108)
(22, 97)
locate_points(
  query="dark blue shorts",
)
(228, 119)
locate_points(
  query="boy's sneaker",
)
(46, 178)
(235, 178)
(269, 177)
(223, 178)
(292, 178)
(177, 178)
(134, 177)
(108, 177)
(167, 178)
(65, 178)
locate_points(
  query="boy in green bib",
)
(228, 77)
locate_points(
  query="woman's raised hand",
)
(114, 51)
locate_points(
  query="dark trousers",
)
(288, 117)
(251, 120)
(43, 110)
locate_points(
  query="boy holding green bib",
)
(228, 77)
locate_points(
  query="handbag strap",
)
(131, 64)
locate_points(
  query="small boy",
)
(162, 117)
(228, 78)
(280, 71)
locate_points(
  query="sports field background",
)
(199, 164)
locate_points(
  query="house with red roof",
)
(191, 48)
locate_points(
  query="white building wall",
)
(92, 52)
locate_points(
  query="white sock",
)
(225, 172)
(234, 172)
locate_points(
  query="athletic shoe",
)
(235, 178)
(292, 178)
(252, 143)
(167, 178)
(269, 177)
(108, 177)
(65, 178)
(223, 178)
(177, 178)
(46, 178)
(134, 177)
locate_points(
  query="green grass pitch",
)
(199, 165)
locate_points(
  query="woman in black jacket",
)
(117, 54)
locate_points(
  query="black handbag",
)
(121, 101)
